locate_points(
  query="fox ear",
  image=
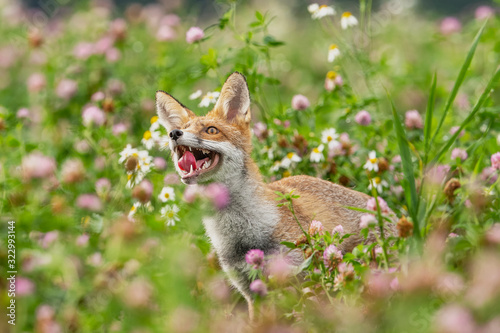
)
(172, 114)
(234, 101)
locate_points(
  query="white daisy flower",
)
(126, 153)
(372, 163)
(312, 8)
(333, 52)
(154, 127)
(378, 183)
(195, 95)
(288, 159)
(317, 154)
(170, 212)
(318, 12)
(269, 151)
(167, 193)
(276, 166)
(348, 20)
(329, 137)
(147, 140)
(133, 210)
(164, 142)
(209, 98)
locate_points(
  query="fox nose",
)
(175, 134)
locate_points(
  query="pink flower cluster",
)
(255, 258)
(300, 102)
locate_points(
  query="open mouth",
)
(194, 161)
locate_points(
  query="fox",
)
(217, 148)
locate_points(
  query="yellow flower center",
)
(289, 155)
(329, 138)
(286, 174)
(346, 14)
(167, 195)
(132, 209)
(170, 214)
(154, 119)
(333, 46)
(377, 180)
(316, 150)
(147, 135)
(129, 176)
(331, 75)
(373, 160)
(323, 6)
(135, 154)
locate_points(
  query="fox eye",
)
(212, 130)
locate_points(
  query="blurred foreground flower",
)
(450, 25)
(36, 165)
(363, 118)
(218, 194)
(348, 20)
(66, 89)
(495, 161)
(317, 154)
(459, 153)
(93, 115)
(333, 52)
(318, 12)
(413, 120)
(89, 201)
(194, 34)
(24, 286)
(484, 12)
(255, 258)
(36, 82)
(367, 220)
(333, 80)
(290, 158)
(372, 163)
(258, 287)
(300, 102)
(371, 204)
(453, 318)
(209, 98)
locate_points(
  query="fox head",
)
(211, 148)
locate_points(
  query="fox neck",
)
(249, 220)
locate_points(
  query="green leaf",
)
(224, 20)
(428, 117)
(486, 92)
(210, 59)
(259, 16)
(289, 245)
(459, 80)
(305, 264)
(272, 42)
(404, 150)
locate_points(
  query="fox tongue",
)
(187, 161)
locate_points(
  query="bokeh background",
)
(109, 241)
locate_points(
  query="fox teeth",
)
(208, 164)
(204, 151)
(191, 169)
(190, 149)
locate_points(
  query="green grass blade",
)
(404, 150)
(459, 80)
(486, 92)
(428, 117)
